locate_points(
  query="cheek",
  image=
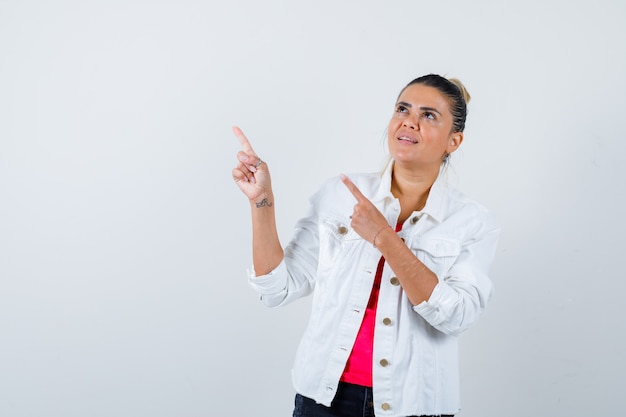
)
(390, 135)
(393, 126)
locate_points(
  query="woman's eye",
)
(401, 109)
(428, 115)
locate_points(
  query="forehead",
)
(424, 96)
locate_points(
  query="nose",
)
(411, 124)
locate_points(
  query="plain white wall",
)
(124, 242)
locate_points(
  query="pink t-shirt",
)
(359, 366)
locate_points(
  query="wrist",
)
(264, 200)
(380, 231)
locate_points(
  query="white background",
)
(124, 241)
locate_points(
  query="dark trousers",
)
(350, 401)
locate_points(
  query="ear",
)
(454, 142)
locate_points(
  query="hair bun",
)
(461, 87)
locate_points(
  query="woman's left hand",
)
(367, 220)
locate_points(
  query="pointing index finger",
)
(353, 188)
(243, 140)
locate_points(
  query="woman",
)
(398, 264)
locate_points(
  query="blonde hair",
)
(461, 87)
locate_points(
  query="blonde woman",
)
(398, 264)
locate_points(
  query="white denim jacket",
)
(415, 370)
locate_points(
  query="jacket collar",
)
(437, 197)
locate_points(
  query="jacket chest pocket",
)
(437, 253)
(335, 237)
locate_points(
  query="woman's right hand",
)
(251, 174)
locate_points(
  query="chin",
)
(402, 156)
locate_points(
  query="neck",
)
(412, 185)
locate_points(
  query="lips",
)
(407, 138)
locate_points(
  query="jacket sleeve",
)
(461, 296)
(295, 276)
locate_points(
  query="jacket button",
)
(342, 230)
(394, 281)
(414, 219)
(384, 362)
(385, 406)
(387, 321)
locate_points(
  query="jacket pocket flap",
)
(437, 246)
(339, 228)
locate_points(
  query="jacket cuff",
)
(434, 310)
(272, 283)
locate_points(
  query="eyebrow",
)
(409, 105)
